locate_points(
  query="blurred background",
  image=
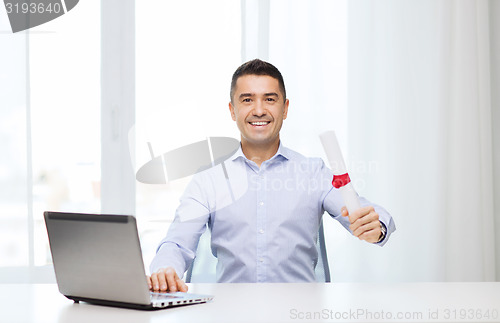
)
(412, 89)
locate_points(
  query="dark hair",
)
(258, 67)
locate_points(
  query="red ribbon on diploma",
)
(340, 180)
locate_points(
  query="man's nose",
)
(259, 109)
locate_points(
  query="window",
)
(50, 130)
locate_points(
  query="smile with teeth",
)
(259, 123)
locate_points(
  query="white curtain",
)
(420, 108)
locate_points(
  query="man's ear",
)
(231, 109)
(285, 111)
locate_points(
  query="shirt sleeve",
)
(178, 248)
(333, 202)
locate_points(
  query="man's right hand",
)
(166, 280)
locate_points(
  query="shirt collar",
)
(282, 151)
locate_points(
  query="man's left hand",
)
(365, 223)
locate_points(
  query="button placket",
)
(260, 222)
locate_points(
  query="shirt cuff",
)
(164, 258)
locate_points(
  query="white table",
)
(336, 302)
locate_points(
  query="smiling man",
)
(268, 233)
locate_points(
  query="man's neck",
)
(259, 153)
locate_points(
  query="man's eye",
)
(247, 100)
(270, 100)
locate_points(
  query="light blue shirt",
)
(264, 221)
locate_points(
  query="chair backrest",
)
(202, 270)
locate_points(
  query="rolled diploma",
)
(334, 155)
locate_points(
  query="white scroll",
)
(341, 179)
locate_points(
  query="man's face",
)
(259, 108)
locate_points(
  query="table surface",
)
(315, 302)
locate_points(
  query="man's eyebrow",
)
(249, 95)
(246, 95)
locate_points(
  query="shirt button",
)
(261, 259)
(261, 203)
(261, 231)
